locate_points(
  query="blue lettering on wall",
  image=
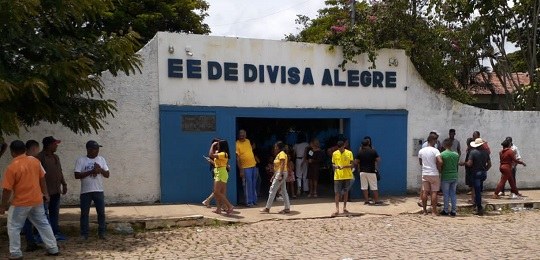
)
(390, 79)
(272, 73)
(214, 70)
(365, 78)
(175, 68)
(294, 75)
(193, 69)
(327, 78)
(250, 73)
(230, 70)
(337, 81)
(353, 78)
(378, 78)
(308, 77)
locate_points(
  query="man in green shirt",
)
(449, 176)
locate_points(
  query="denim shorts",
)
(342, 186)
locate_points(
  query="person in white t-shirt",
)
(91, 169)
(431, 161)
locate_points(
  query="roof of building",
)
(480, 87)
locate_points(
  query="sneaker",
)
(103, 238)
(453, 214)
(82, 240)
(60, 237)
(515, 196)
(443, 213)
(501, 193)
(279, 198)
(367, 203)
(52, 254)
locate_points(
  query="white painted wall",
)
(130, 139)
(204, 92)
(430, 110)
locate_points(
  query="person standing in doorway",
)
(279, 179)
(431, 162)
(314, 158)
(367, 161)
(247, 166)
(456, 146)
(91, 169)
(56, 184)
(517, 154)
(299, 150)
(342, 162)
(449, 177)
(480, 163)
(24, 185)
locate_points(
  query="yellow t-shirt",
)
(221, 160)
(277, 162)
(342, 159)
(245, 154)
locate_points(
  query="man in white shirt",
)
(431, 162)
(91, 169)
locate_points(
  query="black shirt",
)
(367, 158)
(479, 158)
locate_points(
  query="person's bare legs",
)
(423, 197)
(315, 184)
(434, 203)
(375, 195)
(345, 198)
(224, 196)
(311, 187)
(366, 195)
(217, 196)
(336, 199)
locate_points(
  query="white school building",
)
(194, 88)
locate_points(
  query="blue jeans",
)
(479, 178)
(449, 192)
(250, 177)
(99, 202)
(36, 214)
(53, 210)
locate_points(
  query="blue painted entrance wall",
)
(185, 176)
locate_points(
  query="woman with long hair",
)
(219, 152)
(207, 201)
(507, 159)
(279, 179)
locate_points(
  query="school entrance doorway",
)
(186, 133)
(295, 133)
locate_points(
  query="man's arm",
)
(6, 195)
(439, 163)
(488, 166)
(62, 180)
(44, 191)
(82, 175)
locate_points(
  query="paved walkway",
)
(156, 216)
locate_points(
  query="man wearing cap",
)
(480, 163)
(24, 180)
(54, 179)
(91, 169)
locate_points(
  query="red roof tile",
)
(480, 86)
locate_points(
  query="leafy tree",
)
(51, 59)
(147, 17)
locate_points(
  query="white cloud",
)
(258, 19)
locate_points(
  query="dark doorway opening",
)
(265, 132)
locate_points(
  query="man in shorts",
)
(431, 162)
(342, 162)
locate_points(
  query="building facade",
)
(194, 88)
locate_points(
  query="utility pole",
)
(353, 12)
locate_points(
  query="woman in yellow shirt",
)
(219, 152)
(279, 179)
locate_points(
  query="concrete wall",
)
(130, 139)
(430, 110)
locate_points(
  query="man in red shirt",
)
(24, 179)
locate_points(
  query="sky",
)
(259, 19)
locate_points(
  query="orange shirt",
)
(22, 178)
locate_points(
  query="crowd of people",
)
(32, 186)
(300, 163)
(440, 163)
